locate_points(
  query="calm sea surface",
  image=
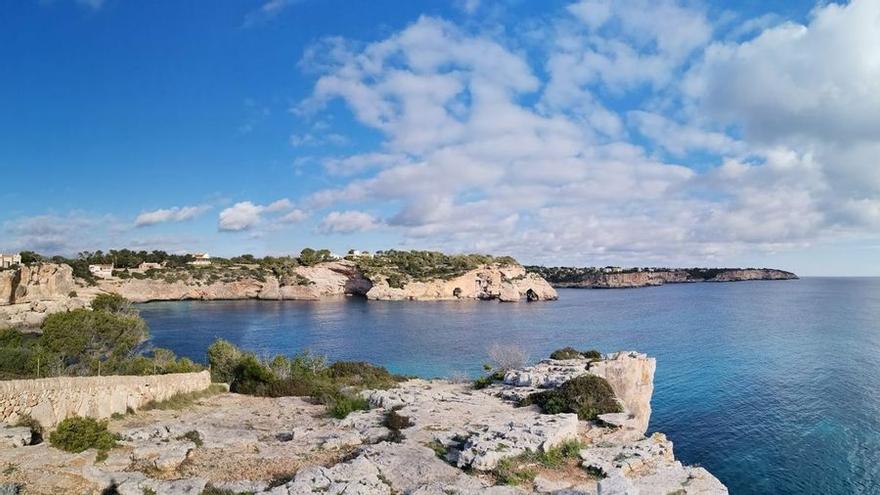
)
(772, 386)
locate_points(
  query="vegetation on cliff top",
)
(574, 275)
(104, 340)
(402, 267)
(588, 396)
(304, 375)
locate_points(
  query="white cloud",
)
(347, 222)
(266, 12)
(478, 155)
(240, 216)
(293, 216)
(175, 214)
(282, 204)
(248, 216)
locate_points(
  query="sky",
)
(587, 133)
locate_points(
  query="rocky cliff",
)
(447, 438)
(507, 283)
(502, 282)
(29, 293)
(334, 278)
(597, 279)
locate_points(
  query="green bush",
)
(588, 396)
(485, 381)
(572, 353)
(80, 335)
(361, 374)
(343, 404)
(223, 357)
(112, 303)
(304, 375)
(79, 434)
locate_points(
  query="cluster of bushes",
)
(400, 267)
(588, 396)
(304, 375)
(522, 468)
(572, 353)
(106, 339)
(80, 434)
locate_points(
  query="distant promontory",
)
(624, 278)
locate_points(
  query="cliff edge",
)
(423, 436)
(593, 278)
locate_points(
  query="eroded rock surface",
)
(457, 439)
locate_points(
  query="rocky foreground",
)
(30, 293)
(453, 439)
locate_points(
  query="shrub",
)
(588, 396)
(72, 293)
(509, 472)
(363, 374)
(507, 357)
(79, 434)
(223, 357)
(565, 353)
(572, 353)
(485, 381)
(343, 404)
(112, 303)
(82, 336)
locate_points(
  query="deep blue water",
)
(772, 386)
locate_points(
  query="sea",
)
(773, 386)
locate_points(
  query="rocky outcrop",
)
(30, 292)
(632, 279)
(334, 278)
(506, 283)
(630, 374)
(456, 440)
(34, 283)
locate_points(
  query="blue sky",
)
(561, 132)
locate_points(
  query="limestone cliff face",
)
(335, 278)
(506, 283)
(42, 282)
(630, 374)
(29, 293)
(600, 280)
(752, 274)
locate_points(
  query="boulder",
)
(14, 436)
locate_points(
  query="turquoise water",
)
(772, 386)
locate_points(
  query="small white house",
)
(612, 269)
(149, 266)
(101, 271)
(200, 259)
(7, 260)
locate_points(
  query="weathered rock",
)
(507, 283)
(248, 441)
(14, 436)
(484, 448)
(630, 374)
(358, 476)
(33, 283)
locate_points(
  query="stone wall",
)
(51, 400)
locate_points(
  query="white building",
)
(7, 260)
(200, 259)
(612, 269)
(101, 271)
(149, 266)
